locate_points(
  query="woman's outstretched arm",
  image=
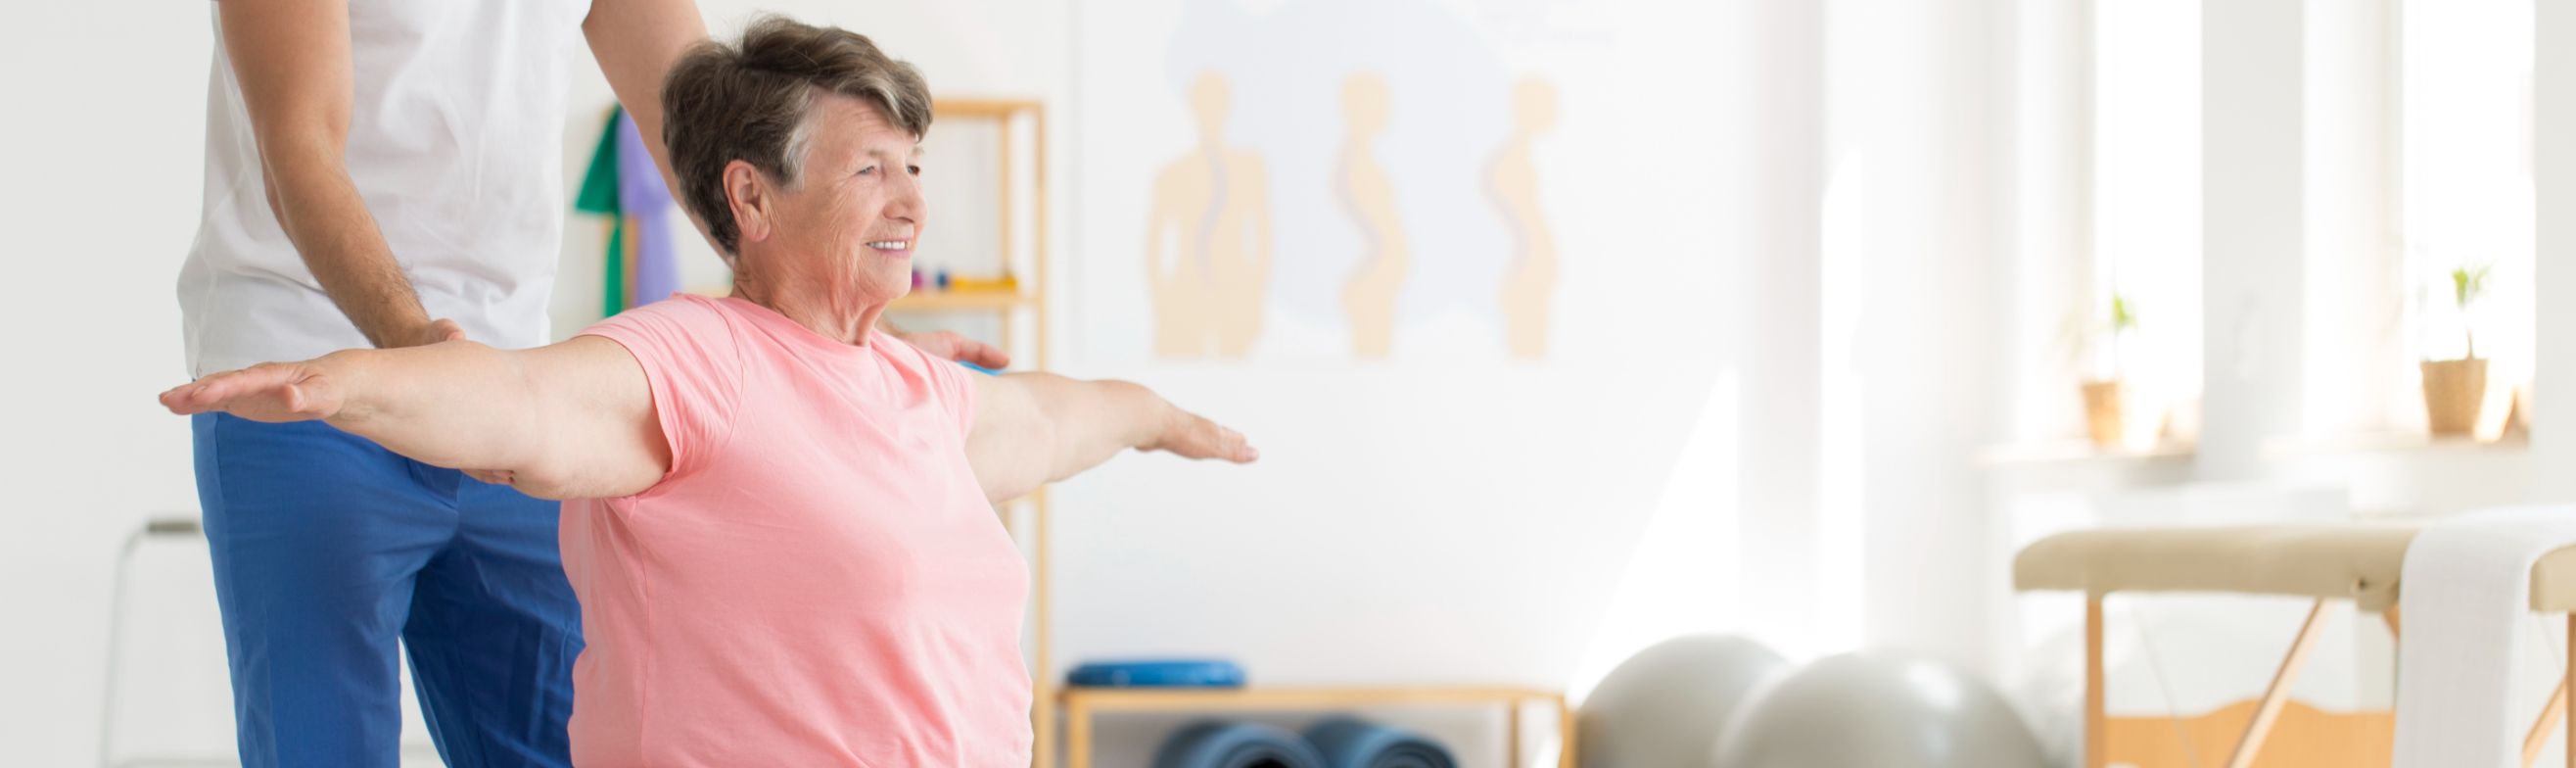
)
(1036, 428)
(571, 420)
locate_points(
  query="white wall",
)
(103, 149)
(1446, 517)
(1922, 103)
(2253, 247)
(1778, 323)
(2554, 158)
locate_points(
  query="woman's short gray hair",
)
(752, 102)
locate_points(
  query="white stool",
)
(156, 528)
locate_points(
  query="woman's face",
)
(848, 227)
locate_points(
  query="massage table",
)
(2329, 563)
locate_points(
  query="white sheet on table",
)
(2467, 586)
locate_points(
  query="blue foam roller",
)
(1158, 673)
(1348, 742)
(1215, 744)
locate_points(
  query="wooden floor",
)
(2304, 737)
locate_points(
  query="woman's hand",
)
(272, 392)
(1190, 435)
(1036, 428)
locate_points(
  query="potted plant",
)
(2455, 390)
(2106, 399)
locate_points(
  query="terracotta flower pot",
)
(2454, 391)
(2104, 412)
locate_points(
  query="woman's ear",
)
(748, 195)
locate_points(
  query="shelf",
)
(1193, 699)
(961, 301)
(982, 108)
(2078, 450)
(1080, 704)
(2392, 442)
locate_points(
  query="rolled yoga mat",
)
(1158, 673)
(1236, 745)
(1353, 743)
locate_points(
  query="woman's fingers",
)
(176, 399)
(205, 394)
(1206, 439)
(1243, 452)
(267, 392)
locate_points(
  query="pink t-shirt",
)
(818, 581)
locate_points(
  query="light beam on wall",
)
(1681, 578)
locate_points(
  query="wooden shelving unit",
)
(1080, 704)
(1031, 297)
(926, 300)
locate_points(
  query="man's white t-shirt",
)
(456, 140)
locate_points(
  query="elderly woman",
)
(778, 519)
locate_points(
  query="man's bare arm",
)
(635, 42)
(292, 60)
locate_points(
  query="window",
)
(2145, 162)
(2465, 126)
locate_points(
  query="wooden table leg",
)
(1568, 751)
(2538, 738)
(1512, 733)
(1042, 717)
(2097, 754)
(1077, 734)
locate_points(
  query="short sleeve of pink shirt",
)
(818, 580)
(694, 362)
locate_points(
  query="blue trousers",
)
(328, 548)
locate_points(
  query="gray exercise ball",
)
(1663, 707)
(1854, 711)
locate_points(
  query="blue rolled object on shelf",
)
(1348, 742)
(1158, 673)
(1215, 744)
